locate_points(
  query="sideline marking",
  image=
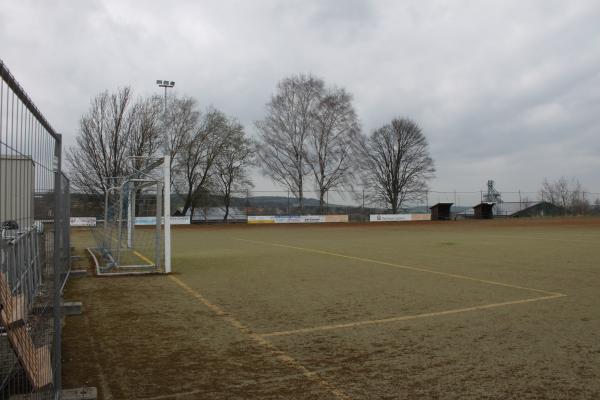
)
(279, 354)
(143, 257)
(389, 264)
(407, 317)
(102, 378)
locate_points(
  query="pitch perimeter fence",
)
(357, 204)
(34, 247)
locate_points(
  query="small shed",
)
(440, 211)
(484, 210)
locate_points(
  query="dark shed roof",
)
(484, 210)
(440, 211)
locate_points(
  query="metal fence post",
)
(66, 238)
(58, 201)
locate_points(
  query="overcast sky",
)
(504, 90)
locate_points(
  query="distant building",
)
(440, 211)
(540, 209)
(17, 188)
(216, 214)
(484, 210)
(517, 209)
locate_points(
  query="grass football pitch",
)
(430, 310)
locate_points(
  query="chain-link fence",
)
(358, 204)
(34, 247)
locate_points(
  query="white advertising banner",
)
(82, 221)
(398, 217)
(261, 219)
(179, 220)
(152, 220)
(295, 219)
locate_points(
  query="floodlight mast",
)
(166, 84)
(167, 183)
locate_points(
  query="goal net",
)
(134, 236)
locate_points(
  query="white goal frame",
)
(163, 216)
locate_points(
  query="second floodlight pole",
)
(166, 85)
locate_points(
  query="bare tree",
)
(283, 133)
(556, 192)
(146, 137)
(180, 123)
(196, 157)
(103, 143)
(396, 163)
(579, 203)
(232, 164)
(565, 193)
(332, 138)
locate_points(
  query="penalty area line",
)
(406, 267)
(407, 317)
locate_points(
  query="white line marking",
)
(279, 354)
(389, 264)
(407, 317)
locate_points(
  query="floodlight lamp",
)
(172, 83)
(159, 82)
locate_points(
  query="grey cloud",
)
(503, 89)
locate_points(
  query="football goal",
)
(135, 234)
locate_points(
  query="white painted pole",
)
(167, 213)
(130, 218)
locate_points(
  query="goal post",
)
(135, 236)
(167, 208)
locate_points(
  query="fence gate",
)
(34, 247)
